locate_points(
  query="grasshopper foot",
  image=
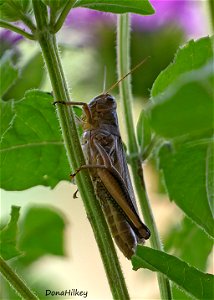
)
(75, 194)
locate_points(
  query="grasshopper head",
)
(103, 112)
(102, 103)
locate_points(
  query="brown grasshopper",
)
(106, 161)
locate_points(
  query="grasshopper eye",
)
(110, 98)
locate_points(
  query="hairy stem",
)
(211, 11)
(51, 56)
(16, 282)
(123, 57)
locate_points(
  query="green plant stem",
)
(18, 30)
(51, 56)
(211, 11)
(16, 282)
(123, 56)
(23, 16)
(63, 15)
(52, 17)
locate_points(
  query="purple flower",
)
(8, 41)
(183, 13)
(82, 18)
(9, 37)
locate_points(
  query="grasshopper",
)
(106, 161)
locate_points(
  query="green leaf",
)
(117, 6)
(32, 151)
(144, 133)
(189, 279)
(8, 236)
(186, 107)
(35, 67)
(210, 175)
(42, 233)
(185, 176)
(8, 72)
(182, 241)
(12, 10)
(180, 294)
(6, 116)
(192, 56)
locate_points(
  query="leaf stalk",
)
(123, 61)
(61, 19)
(211, 11)
(16, 29)
(16, 282)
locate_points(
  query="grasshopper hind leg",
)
(121, 230)
(85, 167)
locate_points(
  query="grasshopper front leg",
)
(83, 104)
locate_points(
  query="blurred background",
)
(88, 44)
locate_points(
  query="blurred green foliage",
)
(143, 44)
(8, 71)
(38, 233)
(35, 67)
(8, 236)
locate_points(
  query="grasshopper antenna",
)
(131, 71)
(104, 80)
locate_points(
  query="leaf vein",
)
(45, 143)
